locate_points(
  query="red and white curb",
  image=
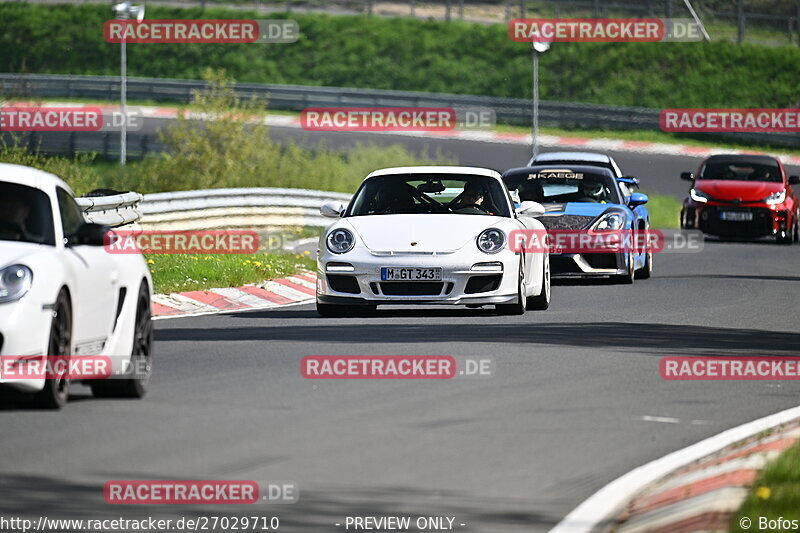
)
(694, 489)
(292, 290)
(588, 143)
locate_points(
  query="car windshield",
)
(741, 171)
(25, 215)
(430, 194)
(548, 186)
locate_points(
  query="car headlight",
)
(775, 198)
(612, 220)
(340, 241)
(491, 241)
(699, 196)
(15, 281)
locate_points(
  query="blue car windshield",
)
(549, 186)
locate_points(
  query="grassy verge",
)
(664, 211)
(181, 272)
(412, 54)
(775, 495)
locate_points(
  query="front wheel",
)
(518, 307)
(55, 393)
(627, 278)
(141, 361)
(542, 301)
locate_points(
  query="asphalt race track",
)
(576, 399)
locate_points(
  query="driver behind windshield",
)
(13, 218)
(471, 200)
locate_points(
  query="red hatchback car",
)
(742, 196)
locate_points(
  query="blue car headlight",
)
(15, 281)
(610, 220)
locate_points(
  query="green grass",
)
(664, 211)
(183, 272)
(775, 494)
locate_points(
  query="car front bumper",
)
(588, 265)
(766, 220)
(467, 278)
(24, 333)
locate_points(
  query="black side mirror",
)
(794, 180)
(688, 176)
(88, 234)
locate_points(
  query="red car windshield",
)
(741, 171)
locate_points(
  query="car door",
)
(94, 279)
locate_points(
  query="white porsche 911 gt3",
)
(63, 294)
(430, 235)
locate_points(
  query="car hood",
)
(12, 252)
(572, 215)
(733, 190)
(431, 233)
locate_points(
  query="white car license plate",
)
(411, 274)
(736, 216)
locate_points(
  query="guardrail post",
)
(740, 21)
(143, 145)
(447, 10)
(106, 137)
(596, 8)
(71, 144)
(522, 9)
(461, 9)
(411, 8)
(369, 7)
(797, 20)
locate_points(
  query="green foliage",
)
(76, 171)
(412, 54)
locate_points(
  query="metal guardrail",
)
(297, 97)
(115, 210)
(246, 208)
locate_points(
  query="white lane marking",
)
(663, 419)
(611, 498)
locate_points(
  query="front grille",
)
(565, 221)
(411, 288)
(478, 284)
(563, 265)
(347, 284)
(760, 225)
(601, 260)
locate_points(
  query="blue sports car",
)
(588, 199)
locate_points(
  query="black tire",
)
(141, 362)
(647, 269)
(627, 278)
(55, 393)
(518, 307)
(542, 301)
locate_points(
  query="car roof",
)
(588, 169)
(32, 177)
(592, 157)
(742, 158)
(434, 169)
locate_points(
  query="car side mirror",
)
(687, 176)
(637, 199)
(88, 234)
(530, 209)
(794, 180)
(331, 209)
